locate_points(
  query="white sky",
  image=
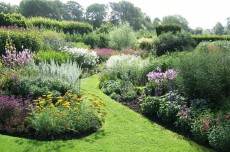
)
(202, 13)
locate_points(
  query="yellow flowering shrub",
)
(52, 116)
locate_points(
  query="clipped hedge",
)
(12, 20)
(210, 38)
(66, 26)
(30, 39)
(164, 28)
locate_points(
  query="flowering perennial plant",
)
(160, 76)
(83, 57)
(52, 116)
(14, 58)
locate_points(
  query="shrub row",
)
(12, 20)
(66, 26)
(210, 38)
(40, 22)
(174, 28)
(21, 38)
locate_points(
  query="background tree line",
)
(97, 14)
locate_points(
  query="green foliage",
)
(169, 42)
(36, 86)
(165, 107)
(65, 26)
(12, 20)
(201, 38)
(165, 28)
(29, 39)
(121, 37)
(206, 75)
(146, 44)
(201, 126)
(111, 86)
(176, 19)
(219, 138)
(54, 116)
(48, 56)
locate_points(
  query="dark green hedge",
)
(12, 20)
(164, 28)
(210, 38)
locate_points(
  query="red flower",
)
(217, 121)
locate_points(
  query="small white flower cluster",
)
(83, 57)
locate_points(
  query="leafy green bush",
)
(66, 26)
(210, 38)
(201, 125)
(146, 44)
(206, 75)
(111, 86)
(55, 116)
(53, 40)
(219, 138)
(169, 42)
(48, 56)
(122, 37)
(174, 28)
(166, 106)
(12, 20)
(29, 39)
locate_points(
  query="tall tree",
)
(156, 21)
(228, 25)
(218, 29)
(44, 8)
(176, 19)
(72, 11)
(198, 30)
(125, 11)
(96, 14)
(7, 8)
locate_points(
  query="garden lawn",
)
(123, 131)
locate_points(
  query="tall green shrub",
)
(12, 20)
(174, 28)
(206, 75)
(122, 37)
(169, 42)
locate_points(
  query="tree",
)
(156, 21)
(228, 25)
(96, 14)
(124, 11)
(176, 19)
(218, 29)
(72, 11)
(44, 8)
(198, 30)
(7, 8)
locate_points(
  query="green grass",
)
(123, 131)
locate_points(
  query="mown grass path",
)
(123, 131)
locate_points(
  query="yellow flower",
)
(52, 105)
(76, 109)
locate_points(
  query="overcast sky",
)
(202, 13)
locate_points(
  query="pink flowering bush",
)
(14, 58)
(105, 53)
